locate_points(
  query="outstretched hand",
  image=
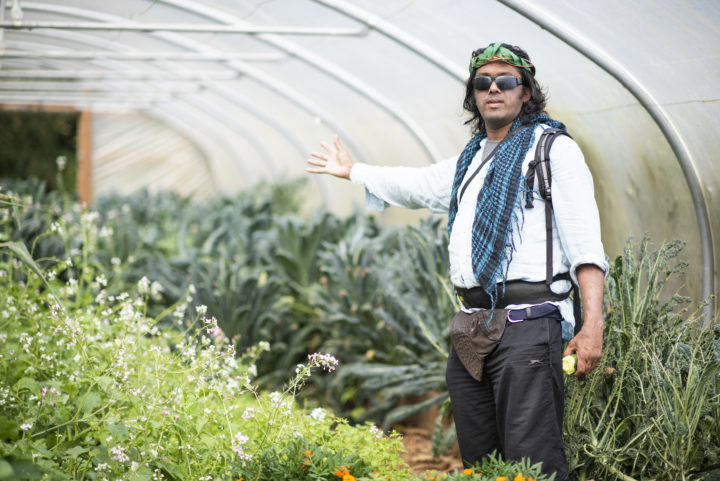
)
(336, 162)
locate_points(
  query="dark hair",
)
(535, 105)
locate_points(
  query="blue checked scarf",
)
(499, 201)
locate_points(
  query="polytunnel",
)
(208, 96)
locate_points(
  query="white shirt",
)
(576, 222)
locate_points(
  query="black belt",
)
(516, 292)
(534, 312)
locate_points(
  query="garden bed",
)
(159, 272)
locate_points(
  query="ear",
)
(526, 94)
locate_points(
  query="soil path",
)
(418, 443)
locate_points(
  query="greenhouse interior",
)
(171, 274)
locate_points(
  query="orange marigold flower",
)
(467, 471)
(519, 477)
(307, 454)
(501, 478)
(348, 477)
(341, 471)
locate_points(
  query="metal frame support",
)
(341, 75)
(187, 28)
(174, 56)
(150, 105)
(690, 171)
(139, 75)
(284, 90)
(395, 34)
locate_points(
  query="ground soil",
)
(417, 442)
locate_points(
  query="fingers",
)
(320, 158)
(336, 161)
(586, 365)
(587, 360)
(319, 163)
(327, 147)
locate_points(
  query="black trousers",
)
(517, 408)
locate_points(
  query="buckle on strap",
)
(531, 312)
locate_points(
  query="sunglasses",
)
(503, 82)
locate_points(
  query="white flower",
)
(249, 413)
(201, 310)
(155, 290)
(318, 414)
(179, 312)
(106, 232)
(118, 454)
(143, 285)
(238, 446)
(89, 218)
(26, 426)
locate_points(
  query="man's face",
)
(499, 108)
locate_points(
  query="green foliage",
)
(652, 408)
(31, 143)
(494, 468)
(93, 388)
(398, 317)
(380, 301)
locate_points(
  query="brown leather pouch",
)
(475, 335)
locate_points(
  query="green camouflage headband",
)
(497, 53)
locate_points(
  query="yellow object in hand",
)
(569, 364)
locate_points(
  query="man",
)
(508, 398)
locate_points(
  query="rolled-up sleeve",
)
(409, 187)
(576, 212)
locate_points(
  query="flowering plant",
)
(92, 387)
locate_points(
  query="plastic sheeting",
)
(388, 77)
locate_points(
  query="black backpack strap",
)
(540, 167)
